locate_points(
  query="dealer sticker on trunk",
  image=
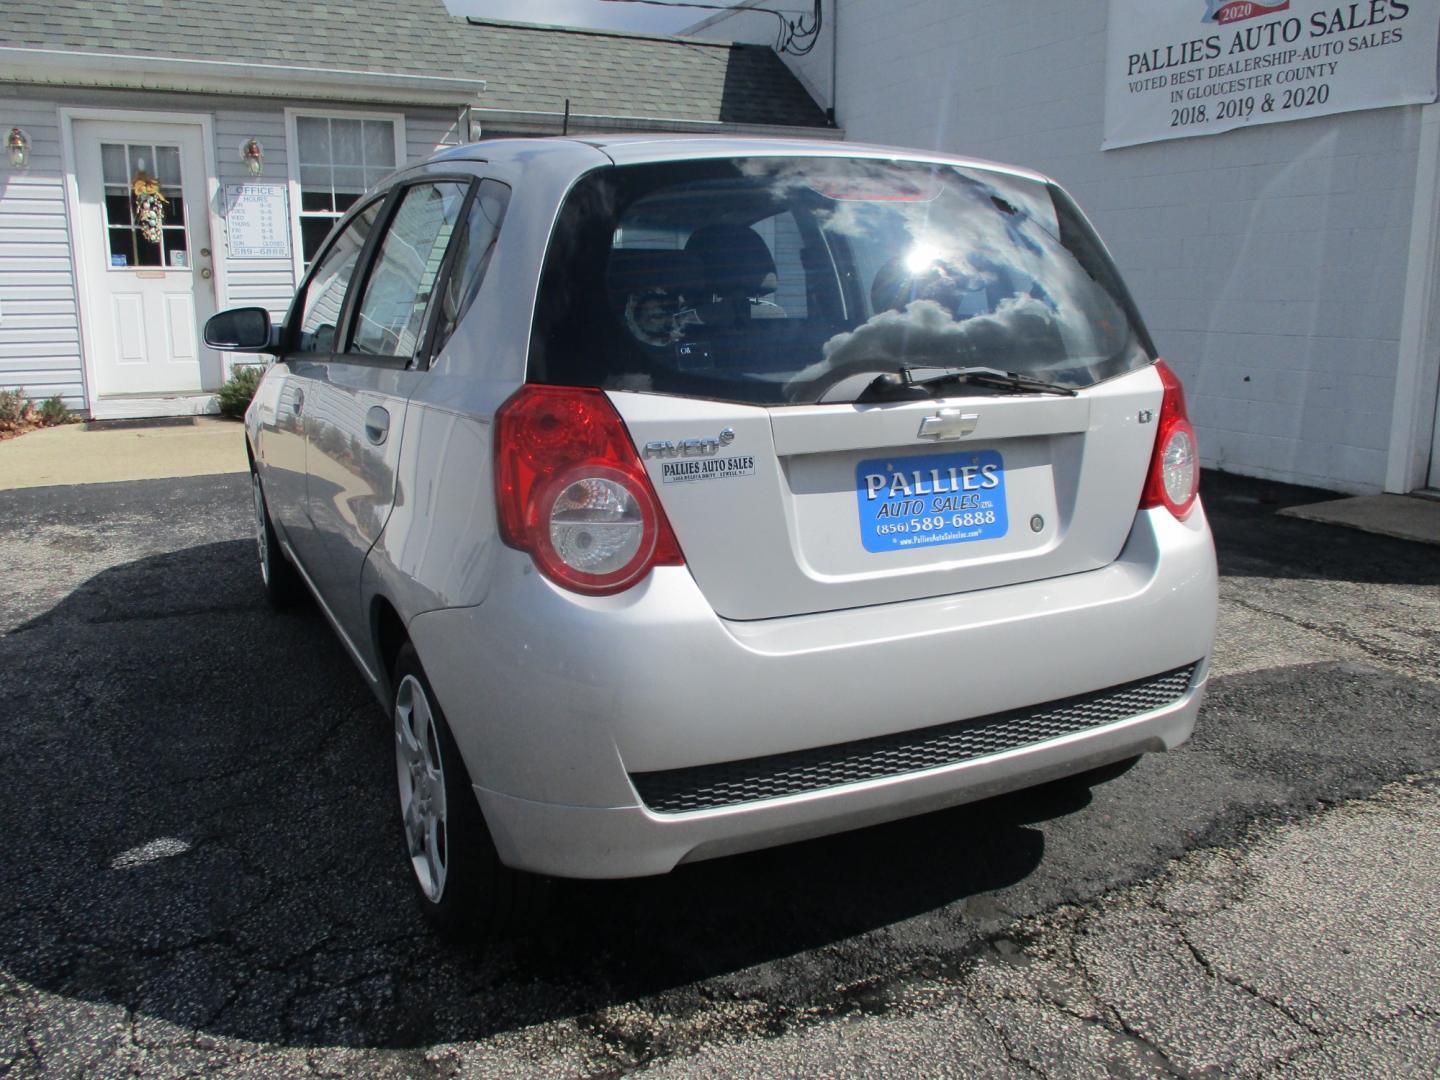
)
(935, 499)
(719, 468)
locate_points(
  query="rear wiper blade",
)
(903, 383)
(994, 377)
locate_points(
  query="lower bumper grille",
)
(730, 783)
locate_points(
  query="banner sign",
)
(1178, 68)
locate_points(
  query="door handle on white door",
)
(205, 272)
(377, 424)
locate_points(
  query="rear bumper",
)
(557, 700)
(589, 842)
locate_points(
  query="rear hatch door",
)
(771, 328)
(788, 510)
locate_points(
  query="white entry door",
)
(149, 282)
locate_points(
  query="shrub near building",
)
(19, 414)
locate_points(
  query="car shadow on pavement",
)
(197, 798)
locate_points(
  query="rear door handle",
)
(377, 424)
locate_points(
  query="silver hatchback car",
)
(680, 497)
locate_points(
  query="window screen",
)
(340, 159)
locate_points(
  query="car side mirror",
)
(245, 329)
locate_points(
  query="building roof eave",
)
(64, 67)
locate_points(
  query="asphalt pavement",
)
(200, 866)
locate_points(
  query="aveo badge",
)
(935, 499)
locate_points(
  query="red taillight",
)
(571, 490)
(1174, 477)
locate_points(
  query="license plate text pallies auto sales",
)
(933, 499)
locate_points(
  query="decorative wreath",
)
(149, 205)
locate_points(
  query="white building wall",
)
(40, 349)
(1270, 263)
(270, 283)
(428, 131)
(39, 316)
(267, 283)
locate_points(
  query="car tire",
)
(464, 890)
(281, 580)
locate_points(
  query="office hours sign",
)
(1179, 68)
(257, 221)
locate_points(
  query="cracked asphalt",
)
(200, 874)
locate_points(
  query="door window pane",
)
(167, 165)
(117, 207)
(325, 294)
(136, 238)
(340, 159)
(112, 164)
(392, 313)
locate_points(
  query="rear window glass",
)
(774, 280)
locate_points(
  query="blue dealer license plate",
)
(911, 502)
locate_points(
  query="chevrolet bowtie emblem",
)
(948, 424)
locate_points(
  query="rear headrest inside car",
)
(636, 269)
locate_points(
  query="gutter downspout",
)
(834, 61)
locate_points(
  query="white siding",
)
(1269, 263)
(39, 327)
(270, 283)
(39, 313)
(267, 283)
(428, 130)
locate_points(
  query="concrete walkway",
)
(1405, 517)
(74, 455)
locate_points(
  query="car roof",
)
(579, 151)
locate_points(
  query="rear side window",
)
(476, 244)
(773, 280)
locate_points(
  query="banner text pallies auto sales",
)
(1338, 20)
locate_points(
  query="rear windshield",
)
(797, 280)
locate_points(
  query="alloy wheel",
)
(420, 773)
(261, 539)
